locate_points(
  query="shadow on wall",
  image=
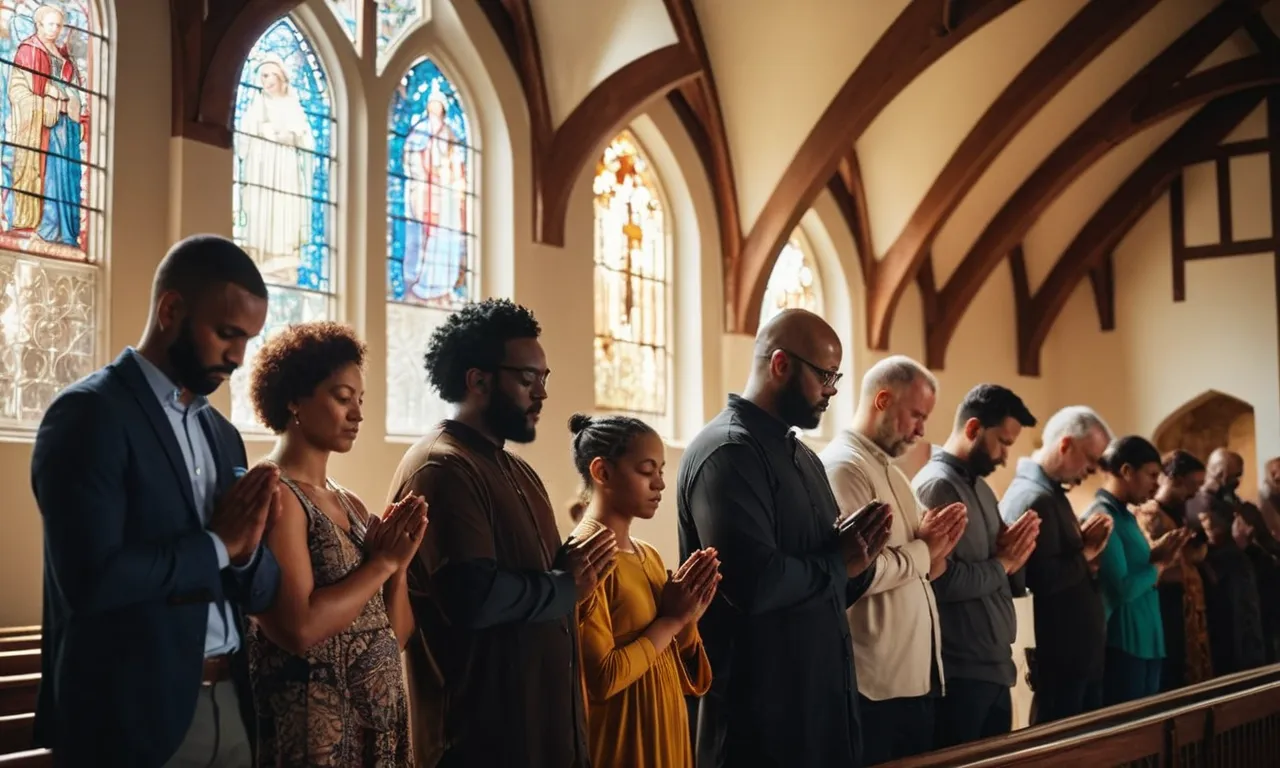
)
(1213, 420)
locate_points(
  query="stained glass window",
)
(394, 19)
(349, 13)
(53, 127)
(282, 198)
(793, 283)
(431, 240)
(631, 297)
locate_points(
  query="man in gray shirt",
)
(975, 600)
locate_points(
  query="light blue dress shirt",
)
(202, 470)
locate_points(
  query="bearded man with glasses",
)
(783, 690)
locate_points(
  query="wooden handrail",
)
(1157, 714)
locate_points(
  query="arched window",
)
(53, 123)
(283, 200)
(632, 300)
(348, 12)
(793, 283)
(431, 234)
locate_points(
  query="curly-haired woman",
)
(325, 660)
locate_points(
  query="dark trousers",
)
(1060, 699)
(1127, 677)
(896, 728)
(972, 710)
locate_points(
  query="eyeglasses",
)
(828, 377)
(528, 376)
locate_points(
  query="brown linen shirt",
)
(493, 666)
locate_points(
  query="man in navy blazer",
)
(152, 534)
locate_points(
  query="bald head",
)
(800, 332)
(1271, 482)
(796, 368)
(1223, 470)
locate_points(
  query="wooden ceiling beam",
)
(1112, 221)
(698, 106)
(559, 153)
(1108, 126)
(1080, 41)
(916, 39)
(208, 50)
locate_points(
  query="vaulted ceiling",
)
(955, 136)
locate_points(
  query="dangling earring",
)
(295, 419)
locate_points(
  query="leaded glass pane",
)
(348, 13)
(285, 307)
(51, 124)
(430, 193)
(413, 407)
(792, 283)
(394, 18)
(431, 235)
(631, 300)
(47, 333)
(283, 202)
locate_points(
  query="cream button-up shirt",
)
(896, 634)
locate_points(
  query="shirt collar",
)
(1108, 498)
(1029, 469)
(471, 437)
(758, 418)
(865, 444)
(943, 456)
(168, 393)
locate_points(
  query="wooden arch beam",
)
(1109, 125)
(1113, 220)
(920, 35)
(697, 104)
(208, 51)
(604, 112)
(559, 153)
(1080, 40)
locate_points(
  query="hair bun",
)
(579, 422)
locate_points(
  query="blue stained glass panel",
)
(347, 11)
(430, 193)
(283, 199)
(394, 17)
(52, 56)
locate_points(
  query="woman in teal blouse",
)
(1128, 570)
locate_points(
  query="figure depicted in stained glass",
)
(631, 283)
(45, 124)
(437, 198)
(277, 174)
(428, 192)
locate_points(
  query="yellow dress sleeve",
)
(695, 667)
(608, 668)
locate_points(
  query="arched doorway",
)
(1214, 420)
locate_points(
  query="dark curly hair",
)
(608, 437)
(293, 362)
(475, 336)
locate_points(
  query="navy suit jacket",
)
(129, 572)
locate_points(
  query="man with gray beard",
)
(897, 641)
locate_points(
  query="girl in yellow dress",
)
(640, 646)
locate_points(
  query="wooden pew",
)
(11, 631)
(24, 662)
(20, 643)
(16, 732)
(35, 758)
(18, 694)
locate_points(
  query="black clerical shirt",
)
(783, 690)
